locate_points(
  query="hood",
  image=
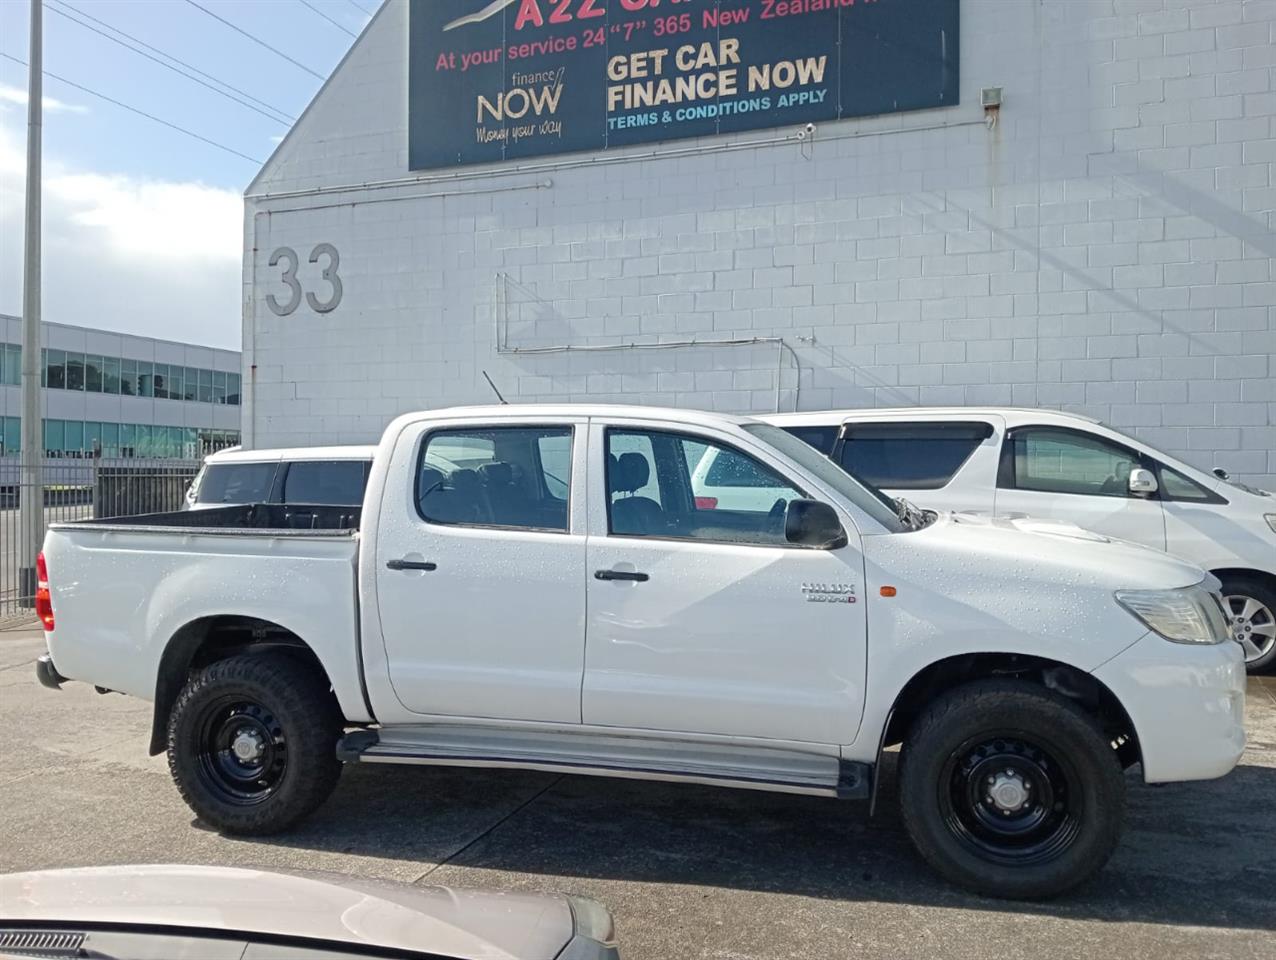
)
(347, 910)
(1080, 556)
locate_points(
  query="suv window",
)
(1175, 486)
(821, 438)
(909, 456)
(652, 492)
(512, 477)
(339, 482)
(1056, 460)
(237, 483)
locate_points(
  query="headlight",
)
(1186, 615)
(1271, 520)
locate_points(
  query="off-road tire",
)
(1002, 710)
(297, 706)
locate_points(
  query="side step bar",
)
(633, 758)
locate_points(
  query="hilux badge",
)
(829, 592)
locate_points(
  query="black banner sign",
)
(520, 78)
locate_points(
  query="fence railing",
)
(78, 489)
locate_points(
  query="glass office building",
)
(122, 395)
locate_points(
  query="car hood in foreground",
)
(329, 907)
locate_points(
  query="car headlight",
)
(1271, 520)
(1185, 615)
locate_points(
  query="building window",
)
(10, 436)
(128, 378)
(55, 370)
(205, 391)
(219, 387)
(176, 383)
(232, 389)
(145, 379)
(161, 380)
(11, 364)
(74, 371)
(110, 375)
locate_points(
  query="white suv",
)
(1050, 465)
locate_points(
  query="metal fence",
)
(78, 489)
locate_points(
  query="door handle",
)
(410, 565)
(620, 575)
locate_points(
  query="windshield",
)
(868, 498)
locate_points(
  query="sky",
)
(143, 225)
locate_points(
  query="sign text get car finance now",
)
(524, 78)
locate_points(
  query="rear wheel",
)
(252, 743)
(1251, 608)
(1010, 790)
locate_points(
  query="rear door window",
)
(237, 483)
(909, 456)
(338, 482)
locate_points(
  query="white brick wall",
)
(1108, 247)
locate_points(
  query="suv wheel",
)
(1010, 790)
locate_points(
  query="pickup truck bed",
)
(283, 519)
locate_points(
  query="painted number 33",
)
(288, 257)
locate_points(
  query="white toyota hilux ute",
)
(558, 600)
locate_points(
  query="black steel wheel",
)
(243, 752)
(252, 742)
(1010, 799)
(1011, 790)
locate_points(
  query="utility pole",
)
(31, 487)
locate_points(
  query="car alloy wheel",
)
(1253, 625)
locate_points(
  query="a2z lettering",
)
(529, 11)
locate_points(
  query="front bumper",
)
(47, 673)
(1187, 704)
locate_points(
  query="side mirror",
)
(1142, 482)
(809, 523)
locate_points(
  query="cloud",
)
(18, 97)
(152, 257)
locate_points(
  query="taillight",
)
(706, 503)
(43, 600)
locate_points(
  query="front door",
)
(1062, 474)
(702, 618)
(480, 581)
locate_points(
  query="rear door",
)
(1061, 473)
(945, 462)
(480, 570)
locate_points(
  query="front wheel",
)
(252, 743)
(1250, 605)
(1010, 790)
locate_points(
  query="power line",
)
(360, 7)
(189, 66)
(257, 40)
(177, 70)
(315, 10)
(140, 113)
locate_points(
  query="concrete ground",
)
(690, 872)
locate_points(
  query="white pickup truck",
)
(537, 587)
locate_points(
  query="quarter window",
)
(1063, 461)
(512, 477)
(1175, 486)
(909, 456)
(663, 485)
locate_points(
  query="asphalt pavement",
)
(690, 872)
